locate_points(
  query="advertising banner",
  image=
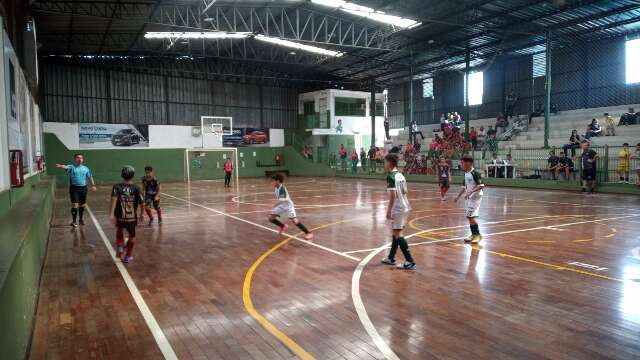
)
(94, 135)
(247, 137)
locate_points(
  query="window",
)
(427, 88)
(476, 87)
(350, 106)
(309, 107)
(539, 64)
(379, 108)
(631, 58)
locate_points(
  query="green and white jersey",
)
(472, 179)
(396, 182)
(282, 195)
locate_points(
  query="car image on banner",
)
(255, 137)
(94, 135)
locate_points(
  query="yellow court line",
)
(248, 303)
(554, 266)
(586, 240)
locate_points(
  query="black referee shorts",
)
(78, 194)
(589, 174)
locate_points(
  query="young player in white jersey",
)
(398, 212)
(285, 205)
(472, 190)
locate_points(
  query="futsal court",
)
(555, 277)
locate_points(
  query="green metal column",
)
(467, 62)
(411, 96)
(372, 109)
(547, 108)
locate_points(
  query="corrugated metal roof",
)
(486, 27)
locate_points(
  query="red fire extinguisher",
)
(16, 165)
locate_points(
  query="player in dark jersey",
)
(151, 192)
(126, 201)
(444, 177)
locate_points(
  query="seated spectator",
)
(482, 136)
(554, 109)
(307, 152)
(502, 122)
(574, 142)
(416, 146)
(496, 171)
(444, 121)
(629, 118)
(610, 125)
(552, 165)
(396, 149)
(593, 129)
(408, 150)
(510, 166)
(565, 166)
(473, 136)
(537, 111)
(491, 132)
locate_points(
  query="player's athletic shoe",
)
(150, 221)
(388, 261)
(159, 221)
(119, 251)
(469, 238)
(81, 222)
(407, 266)
(308, 236)
(476, 239)
(127, 259)
(74, 224)
(283, 229)
(444, 198)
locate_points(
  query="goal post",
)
(207, 165)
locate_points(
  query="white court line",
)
(355, 280)
(154, 327)
(266, 228)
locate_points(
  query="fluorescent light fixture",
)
(241, 35)
(295, 45)
(197, 35)
(369, 13)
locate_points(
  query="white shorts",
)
(472, 207)
(284, 207)
(399, 220)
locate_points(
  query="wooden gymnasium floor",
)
(557, 276)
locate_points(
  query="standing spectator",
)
(553, 163)
(342, 153)
(624, 163)
(473, 136)
(444, 121)
(510, 166)
(354, 160)
(372, 157)
(363, 159)
(510, 104)
(565, 165)
(415, 131)
(588, 161)
(593, 129)
(482, 136)
(629, 118)
(610, 125)
(574, 142)
(79, 177)
(491, 133)
(386, 128)
(339, 127)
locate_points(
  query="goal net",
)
(213, 130)
(204, 166)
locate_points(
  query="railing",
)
(530, 162)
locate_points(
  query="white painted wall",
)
(68, 133)
(172, 137)
(5, 178)
(276, 137)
